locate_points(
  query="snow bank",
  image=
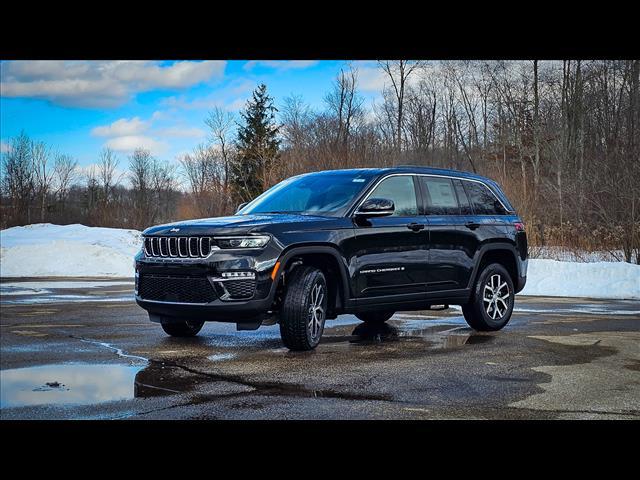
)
(572, 279)
(75, 250)
(44, 250)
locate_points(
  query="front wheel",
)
(182, 328)
(491, 303)
(304, 309)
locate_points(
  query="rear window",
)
(441, 196)
(483, 201)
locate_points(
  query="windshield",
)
(317, 194)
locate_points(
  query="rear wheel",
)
(182, 328)
(491, 303)
(375, 317)
(304, 309)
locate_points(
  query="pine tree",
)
(258, 147)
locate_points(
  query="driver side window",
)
(402, 191)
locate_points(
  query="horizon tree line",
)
(562, 137)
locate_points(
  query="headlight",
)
(242, 242)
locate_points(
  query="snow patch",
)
(552, 278)
(47, 250)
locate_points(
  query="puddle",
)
(166, 378)
(45, 299)
(438, 336)
(69, 384)
(217, 357)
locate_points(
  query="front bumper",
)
(221, 306)
(217, 311)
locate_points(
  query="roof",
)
(408, 169)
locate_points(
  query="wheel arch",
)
(503, 253)
(327, 259)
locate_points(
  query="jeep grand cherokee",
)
(368, 242)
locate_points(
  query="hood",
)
(239, 224)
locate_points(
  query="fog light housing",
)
(239, 275)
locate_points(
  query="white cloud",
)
(4, 147)
(281, 64)
(129, 143)
(127, 134)
(371, 78)
(100, 83)
(159, 115)
(231, 98)
(121, 127)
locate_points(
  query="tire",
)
(182, 328)
(375, 317)
(490, 308)
(304, 309)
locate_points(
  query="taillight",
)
(519, 226)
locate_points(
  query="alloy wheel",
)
(496, 297)
(316, 311)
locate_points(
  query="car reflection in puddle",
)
(439, 337)
(68, 384)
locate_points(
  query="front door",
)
(391, 258)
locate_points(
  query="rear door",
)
(484, 224)
(391, 251)
(447, 235)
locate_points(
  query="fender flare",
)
(310, 249)
(487, 248)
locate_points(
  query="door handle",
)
(472, 225)
(416, 227)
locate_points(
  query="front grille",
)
(240, 288)
(166, 288)
(178, 247)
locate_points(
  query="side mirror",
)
(241, 206)
(376, 207)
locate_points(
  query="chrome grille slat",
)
(193, 247)
(178, 247)
(173, 247)
(182, 247)
(147, 247)
(164, 251)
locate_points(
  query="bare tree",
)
(345, 105)
(18, 177)
(107, 173)
(399, 72)
(43, 175)
(65, 174)
(221, 123)
(141, 165)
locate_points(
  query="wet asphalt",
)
(83, 349)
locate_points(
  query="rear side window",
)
(402, 191)
(484, 202)
(441, 196)
(465, 206)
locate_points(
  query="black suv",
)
(365, 241)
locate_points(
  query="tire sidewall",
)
(479, 295)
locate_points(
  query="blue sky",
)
(80, 107)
